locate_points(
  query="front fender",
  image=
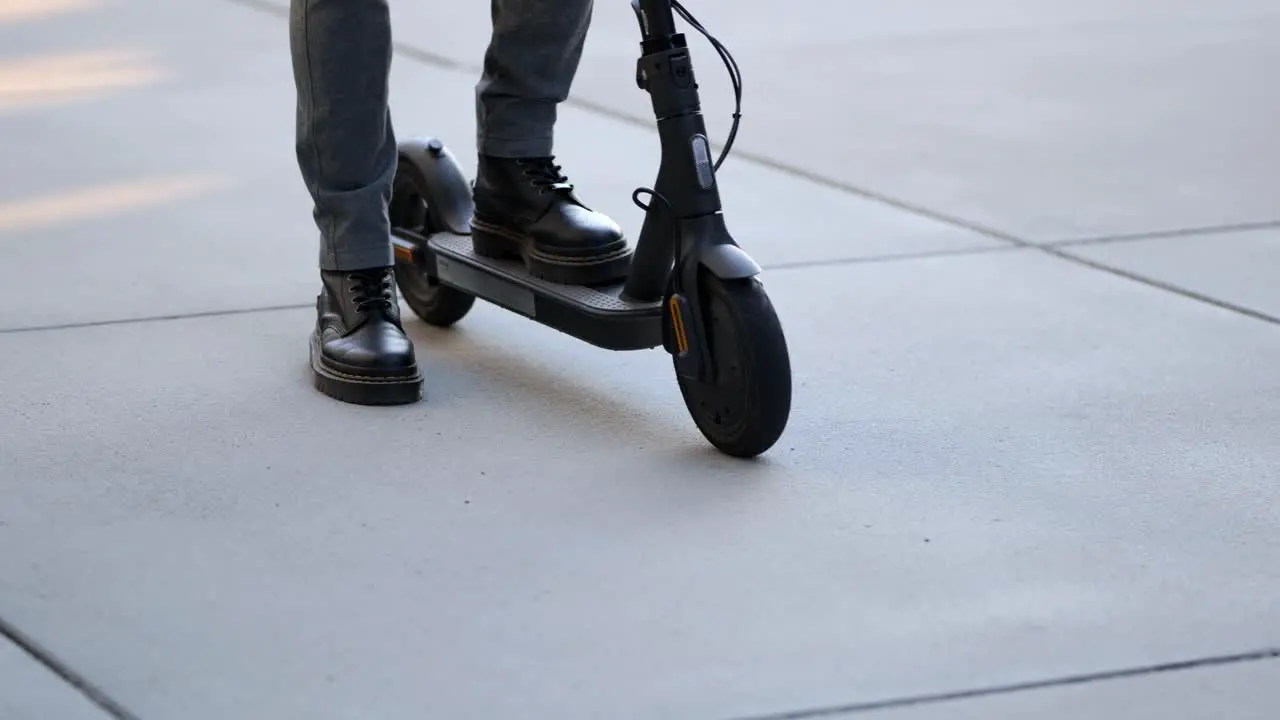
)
(438, 175)
(727, 261)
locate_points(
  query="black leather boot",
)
(526, 208)
(359, 352)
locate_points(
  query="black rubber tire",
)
(438, 305)
(745, 413)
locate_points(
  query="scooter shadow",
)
(457, 358)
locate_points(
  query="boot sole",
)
(361, 390)
(499, 243)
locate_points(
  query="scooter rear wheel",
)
(437, 304)
(744, 412)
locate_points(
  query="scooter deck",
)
(595, 314)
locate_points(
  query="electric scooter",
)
(689, 287)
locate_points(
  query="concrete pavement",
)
(1021, 254)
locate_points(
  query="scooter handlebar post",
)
(657, 19)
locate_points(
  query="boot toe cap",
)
(577, 230)
(377, 348)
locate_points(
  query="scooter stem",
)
(657, 21)
(685, 187)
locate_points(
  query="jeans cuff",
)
(374, 255)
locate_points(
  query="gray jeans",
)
(346, 146)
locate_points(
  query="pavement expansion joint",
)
(46, 658)
(1168, 234)
(154, 318)
(1081, 679)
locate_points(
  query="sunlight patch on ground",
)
(72, 77)
(93, 203)
(14, 11)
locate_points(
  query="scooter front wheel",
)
(745, 410)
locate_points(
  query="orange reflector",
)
(677, 324)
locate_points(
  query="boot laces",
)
(371, 291)
(545, 174)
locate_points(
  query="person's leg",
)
(524, 203)
(345, 143)
(346, 151)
